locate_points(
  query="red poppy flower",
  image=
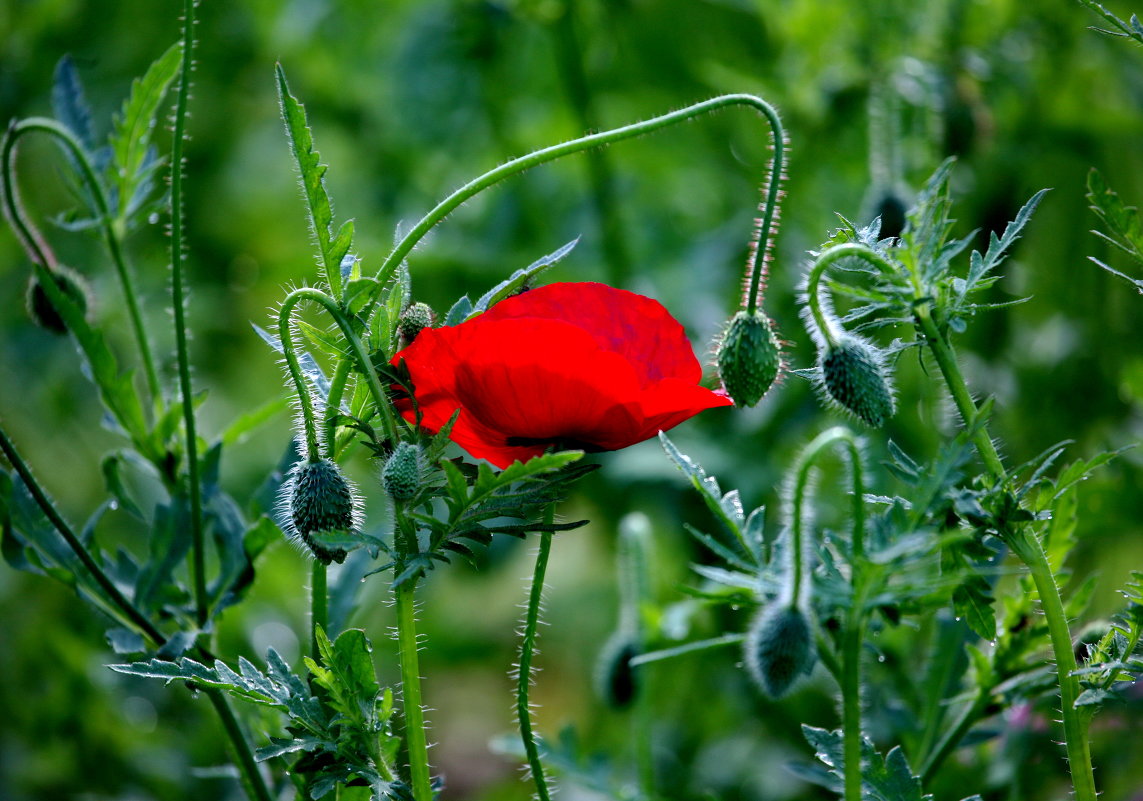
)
(579, 365)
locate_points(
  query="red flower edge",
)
(571, 365)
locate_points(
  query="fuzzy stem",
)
(319, 605)
(518, 165)
(178, 301)
(34, 242)
(411, 692)
(854, 627)
(527, 651)
(305, 400)
(1028, 549)
(357, 350)
(806, 460)
(251, 778)
(826, 327)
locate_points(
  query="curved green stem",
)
(853, 633)
(527, 651)
(357, 351)
(178, 302)
(1027, 547)
(36, 246)
(508, 169)
(411, 691)
(826, 327)
(806, 460)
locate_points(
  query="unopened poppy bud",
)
(415, 319)
(853, 375)
(615, 680)
(779, 648)
(749, 357)
(891, 209)
(40, 307)
(321, 505)
(401, 475)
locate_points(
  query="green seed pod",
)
(615, 679)
(749, 358)
(779, 648)
(401, 475)
(415, 319)
(40, 307)
(853, 375)
(322, 506)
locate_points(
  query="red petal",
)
(636, 327)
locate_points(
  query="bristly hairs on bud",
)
(415, 319)
(318, 506)
(403, 472)
(765, 229)
(749, 357)
(780, 647)
(851, 372)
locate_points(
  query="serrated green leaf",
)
(312, 173)
(520, 278)
(133, 126)
(459, 311)
(69, 103)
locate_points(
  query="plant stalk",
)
(251, 777)
(415, 737)
(527, 651)
(1027, 547)
(178, 302)
(319, 606)
(37, 248)
(518, 165)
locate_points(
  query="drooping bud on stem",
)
(853, 376)
(321, 508)
(616, 681)
(749, 357)
(779, 648)
(40, 308)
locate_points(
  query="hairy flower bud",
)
(415, 319)
(615, 679)
(401, 475)
(40, 307)
(749, 357)
(321, 507)
(779, 648)
(853, 375)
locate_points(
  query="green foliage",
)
(340, 732)
(482, 502)
(1122, 220)
(133, 161)
(883, 778)
(333, 247)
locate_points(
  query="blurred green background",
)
(408, 99)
